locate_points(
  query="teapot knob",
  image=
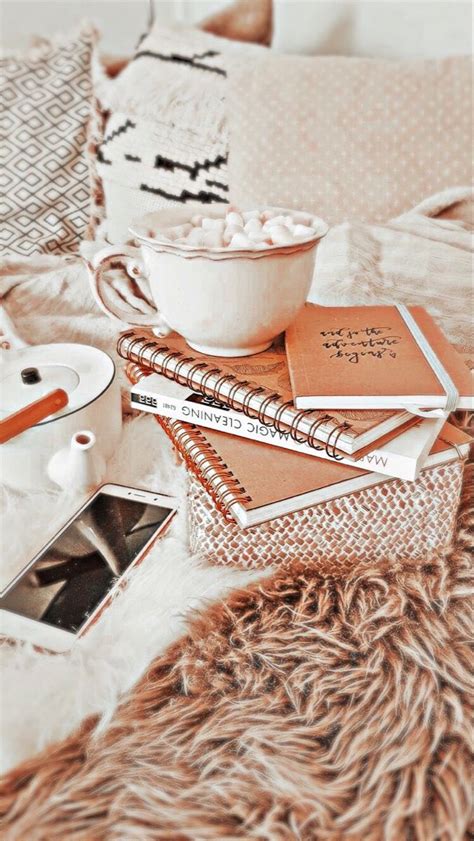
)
(30, 376)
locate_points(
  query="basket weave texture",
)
(384, 525)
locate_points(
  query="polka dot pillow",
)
(347, 138)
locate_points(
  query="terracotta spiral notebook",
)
(250, 485)
(402, 457)
(372, 357)
(260, 387)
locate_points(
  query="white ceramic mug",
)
(223, 302)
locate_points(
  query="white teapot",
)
(87, 375)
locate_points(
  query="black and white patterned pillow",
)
(166, 137)
(44, 176)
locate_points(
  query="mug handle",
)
(127, 258)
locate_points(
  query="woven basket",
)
(384, 525)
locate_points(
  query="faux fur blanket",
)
(303, 708)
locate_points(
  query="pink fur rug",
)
(305, 707)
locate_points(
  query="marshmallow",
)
(234, 218)
(234, 229)
(213, 224)
(241, 241)
(247, 215)
(319, 224)
(253, 226)
(275, 220)
(249, 229)
(195, 237)
(229, 232)
(181, 230)
(281, 235)
(168, 233)
(301, 218)
(303, 231)
(259, 238)
(213, 239)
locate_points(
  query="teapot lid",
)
(84, 372)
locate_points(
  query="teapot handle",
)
(32, 414)
(127, 258)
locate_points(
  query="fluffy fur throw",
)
(301, 708)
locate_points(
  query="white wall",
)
(381, 28)
(120, 21)
(390, 28)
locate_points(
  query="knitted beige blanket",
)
(424, 257)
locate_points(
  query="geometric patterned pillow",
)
(44, 175)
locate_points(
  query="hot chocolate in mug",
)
(223, 301)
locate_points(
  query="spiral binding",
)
(166, 362)
(233, 392)
(337, 432)
(204, 386)
(293, 430)
(226, 378)
(263, 408)
(183, 361)
(252, 392)
(277, 422)
(314, 428)
(199, 455)
(136, 348)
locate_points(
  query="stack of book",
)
(332, 444)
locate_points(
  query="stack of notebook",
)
(348, 401)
